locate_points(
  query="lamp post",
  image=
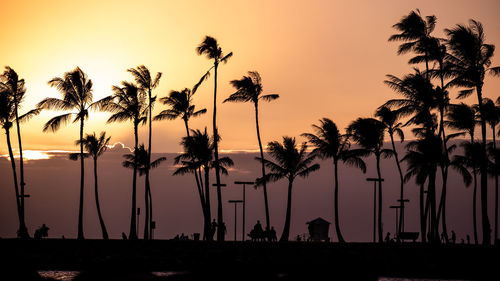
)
(396, 207)
(402, 214)
(244, 202)
(375, 180)
(235, 202)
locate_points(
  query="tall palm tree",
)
(95, 147)
(213, 51)
(330, 143)
(9, 115)
(129, 103)
(369, 134)
(415, 32)
(463, 118)
(76, 91)
(290, 163)
(492, 116)
(470, 61)
(249, 89)
(198, 156)
(390, 120)
(143, 78)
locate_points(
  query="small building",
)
(318, 230)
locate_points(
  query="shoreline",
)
(250, 260)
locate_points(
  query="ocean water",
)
(59, 275)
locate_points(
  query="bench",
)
(408, 236)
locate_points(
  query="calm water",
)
(70, 275)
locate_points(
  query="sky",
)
(324, 59)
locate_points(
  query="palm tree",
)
(129, 104)
(492, 116)
(415, 32)
(95, 147)
(143, 78)
(369, 134)
(76, 91)
(9, 115)
(390, 120)
(470, 61)
(423, 157)
(463, 118)
(290, 163)
(249, 89)
(198, 156)
(329, 143)
(213, 51)
(140, 160)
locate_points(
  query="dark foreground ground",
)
(135, 260)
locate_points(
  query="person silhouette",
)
(468, 239)
(453, 237)
(213, 229)
(388, 237)
(257, 228)
(223, 229)
(272, 234)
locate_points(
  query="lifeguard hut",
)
(318, 230)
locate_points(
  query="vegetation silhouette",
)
(249, 89)
(76, 91)
(329, 143)
(12, 93)
(369, 134)
(146, 83)
(95, 147)
(213, 51)
(291, 163)
(129, 104)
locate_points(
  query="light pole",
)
(244, 202)
(402, 214)
(396, 207)
(375, 180)
(235, 202)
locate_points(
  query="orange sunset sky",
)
(324, 58)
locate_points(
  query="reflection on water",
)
(167, 273)
(58, 275)
(412, 279)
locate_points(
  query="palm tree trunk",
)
(149, 209)
(150, 213)
(82, 176)
(380, 230)
(286, 228)
(16, 186)
(220, 230)
(336, 203)
(146, 206)
(474, 207)
(266, 204)
(133, 229)
(208, 216)
(496, 187)
(423, 228)
(101, 221)
(486, 227)
(401, 192)
(23, 231)
(431, 193)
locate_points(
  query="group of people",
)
(259, 234)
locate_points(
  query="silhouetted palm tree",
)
(76, 91)
(143, 78)
(463, 118)
(213, 51)
(249, 89)
(329, 143)
(415, 32)
(129, 104)
(492, 116)
(198, 155)
(369, 134)
(470, 61)
(390, 119)
(95, 147)
(290, 164)
(9, 115)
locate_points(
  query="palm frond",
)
(55, 123)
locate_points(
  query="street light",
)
(396, 207)
(374, 180)
(244, 202)
(235, 202)
(402, 213)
